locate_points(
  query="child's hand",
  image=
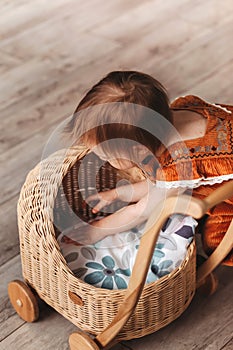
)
(103, 198)
(126, 193)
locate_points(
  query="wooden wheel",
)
(81, 341)
(23, 300)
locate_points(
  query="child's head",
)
(126, 103)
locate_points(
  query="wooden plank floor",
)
(51, 52)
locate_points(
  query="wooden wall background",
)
(51, 52)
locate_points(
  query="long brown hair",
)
(124, 89)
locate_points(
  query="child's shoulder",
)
(196, 102)
(187, 101)
(192, 101)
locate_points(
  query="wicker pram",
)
(48, 201)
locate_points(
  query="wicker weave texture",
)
(51, 195)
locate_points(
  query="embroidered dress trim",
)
(223, 108)
(194, 183)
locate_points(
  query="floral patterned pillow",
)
(109, 262)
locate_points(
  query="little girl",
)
(185, 146)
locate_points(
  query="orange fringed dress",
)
(202, 164)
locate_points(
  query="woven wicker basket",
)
(43, 201)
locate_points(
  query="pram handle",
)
(183, 204)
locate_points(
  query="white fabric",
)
(194, 183)
(109, 262)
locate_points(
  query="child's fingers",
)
(102, 198)
(93, 197)
(99, 206)
(91, 201)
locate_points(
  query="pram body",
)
(50, 198)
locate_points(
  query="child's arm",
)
(125, 218)
(127, 193)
